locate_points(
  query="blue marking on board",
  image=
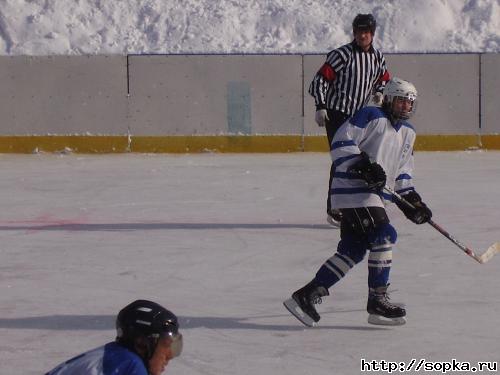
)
(239, 108)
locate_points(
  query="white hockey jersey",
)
(391, 146)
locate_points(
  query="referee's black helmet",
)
(364, 22)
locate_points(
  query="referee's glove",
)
(321, 117)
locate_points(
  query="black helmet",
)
(145, 319)
(364, 22)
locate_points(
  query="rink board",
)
(223, 103)
(63, 95)
(215, 94)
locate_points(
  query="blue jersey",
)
(111, 358)
(390, 145)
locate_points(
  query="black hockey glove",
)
(419, 213)
(372, 173)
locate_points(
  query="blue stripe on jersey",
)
(403, 176)
(387, 197)
(363, 117)
(398, 125)
(339, 144)
(339, 161)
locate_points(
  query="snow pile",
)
(73, 27)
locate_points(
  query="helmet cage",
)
(403, 115)
(397, 88)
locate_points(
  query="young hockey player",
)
(147, 339)
(372, 150)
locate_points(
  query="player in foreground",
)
(147, 339)
(370, 150)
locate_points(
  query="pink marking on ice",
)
(42, 221)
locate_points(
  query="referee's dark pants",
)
(337, 118)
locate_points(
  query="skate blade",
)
(297, 312)
(382, 321)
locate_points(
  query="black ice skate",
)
(301, 305)
(381, 311)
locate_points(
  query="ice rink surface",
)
(221, 240)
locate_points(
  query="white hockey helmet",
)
(395, 88)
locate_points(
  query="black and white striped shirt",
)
(346, 80)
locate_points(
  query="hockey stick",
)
(483, 258)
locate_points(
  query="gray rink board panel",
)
(63, 95)
(490, 89)
(448, 88)
(312, 63)
(215, 94)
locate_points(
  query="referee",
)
(344, 84)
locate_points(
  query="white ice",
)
(221, 240)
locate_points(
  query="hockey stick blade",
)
(488, 254)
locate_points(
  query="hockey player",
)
(147, 339)
(344, 83)
(372, 150)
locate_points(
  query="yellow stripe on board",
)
(490, 142)
(446, 142)
(27, 144)
(222, 143)
(225, 143)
